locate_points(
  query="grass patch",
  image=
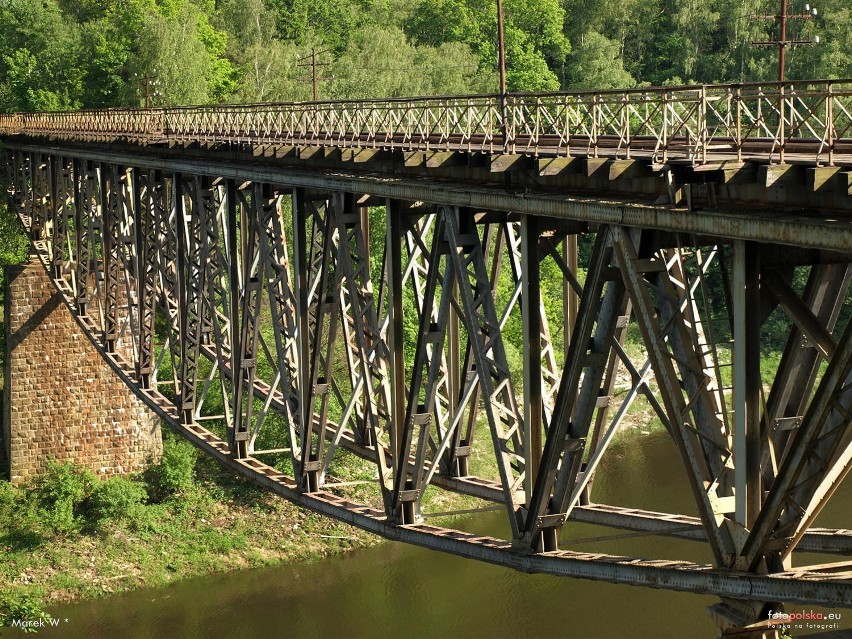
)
(67, 536)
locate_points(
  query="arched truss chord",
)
(265, 320)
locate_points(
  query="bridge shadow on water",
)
(396, 589)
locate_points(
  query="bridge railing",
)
(692, 122)
(467, 122)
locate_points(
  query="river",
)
(396, 590)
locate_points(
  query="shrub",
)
(7, 494)
(114, 499)
(24, 607)
(176, 472)
(61, 491)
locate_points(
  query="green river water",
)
(400, 591)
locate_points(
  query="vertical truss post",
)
(220, 293)
(146, 272)
(746, 373)
(492, 244)
(282, 308)
(111, 238)
(824, 293)
(179, 294)
(467, 259)
(322, 308)
(600, 360)
(371, 344)
(367, 350)
(245, 305)
(702, 478)
(22, 192)
(422, 391)
(565, 442)
(233, 219)
(531, 313)
(458, 455)
(31, 170)
(396, 335)
(263, 204)
(810, 461)
(169, 227)
(39, 176)
(50, 208)
(60, 196)
(128, 274)
(83, 185)
(247, 268)
(303, 361)
(569, 297)
(186, 364)
(443, 437)
(13, 160)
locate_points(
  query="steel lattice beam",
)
(176, 273)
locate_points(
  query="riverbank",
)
(67, 537)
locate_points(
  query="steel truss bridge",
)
(297, 282)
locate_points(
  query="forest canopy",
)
(70, 54)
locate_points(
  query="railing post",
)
(593, 141)
(782, 129)
(739, 140)
(504, 121)
(702, 125)
(829, 121)
(664, 133)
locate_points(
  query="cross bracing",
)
(280, 317)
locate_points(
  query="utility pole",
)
(150, 81)
(310, 60)
(501, 49)
(782, 42)
(501, 63)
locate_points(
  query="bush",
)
(176, 472)
(8, 497)
(114, 499)
(60, 493)
(24, 607)
(7, 494)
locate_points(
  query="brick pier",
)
(61, 399)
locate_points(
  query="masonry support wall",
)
(62, 401)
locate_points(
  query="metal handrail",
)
(699, 123)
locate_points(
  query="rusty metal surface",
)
(179, 263)
(773, 122)
(821, 230)
(811, 587)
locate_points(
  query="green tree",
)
(535, 42)
(331, 22)
(40, 67)
(382, 63)
(180, 48)
(265, 66)
(832, 58)
(595, 64)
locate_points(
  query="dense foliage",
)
(66, 54)
(66, 534)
